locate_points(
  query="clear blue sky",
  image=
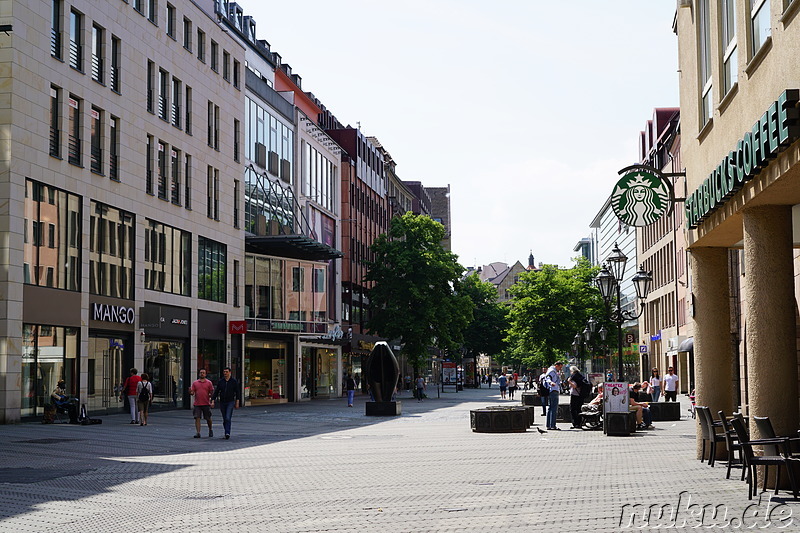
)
(526, 108)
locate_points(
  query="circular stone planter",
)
(499, 420)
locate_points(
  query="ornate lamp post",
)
(608, 281)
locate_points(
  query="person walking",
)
(420, 387)
(502, 382)
(543, 390)
(655, 384)
(553, 381)
(227, 391)
(512, 387)
(671, 385)
(576, 381)
(144, 397)
(350, 385)
(129, 390)
(202, 389)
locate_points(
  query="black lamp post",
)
(609, 281)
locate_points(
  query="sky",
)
(527, 109)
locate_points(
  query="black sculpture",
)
(382, 372)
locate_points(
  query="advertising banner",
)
(615, 397)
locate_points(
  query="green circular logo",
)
(640, 198)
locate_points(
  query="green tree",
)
(549, 306)
(488, 328)
(415, 294)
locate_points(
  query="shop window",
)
(111, 251)
(49, 354)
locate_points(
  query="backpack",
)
(144, 394)
(586, 387)
(543, 388)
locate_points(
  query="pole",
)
(619, 332)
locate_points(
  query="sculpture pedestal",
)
(384, 408)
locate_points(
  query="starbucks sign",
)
(641, 196)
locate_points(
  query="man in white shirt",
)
(670, 385)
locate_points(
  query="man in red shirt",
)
(202, 389)
(129, 390)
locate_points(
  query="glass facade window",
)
(47, 207)
(211, 270)
(269, 205)
(263, 127)
(319, 178)
(168, 259)
(319, 372)
(164, 361)
(211, 356)
(265, 371)
(112, 247)
(49, 354)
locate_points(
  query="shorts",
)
(143, 406)
(202, 411)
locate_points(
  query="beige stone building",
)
(739, 72)
(121, 199)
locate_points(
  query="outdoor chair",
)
(732, 443)
(752, 461)
(766, 431)
(710, 433)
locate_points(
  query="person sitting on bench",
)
(644, 419)
(62, 401)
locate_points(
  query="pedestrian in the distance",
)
(420, 386)
(553, 381)
(129, 390)
(502, 382)
(543, 390)
(655, 384)
(576, 380)
(202, 389)
(670, 383)
(512, 387)
(350, 384)
(229, 398)
(144, 397)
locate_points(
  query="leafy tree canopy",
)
(489, 326)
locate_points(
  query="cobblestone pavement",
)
(319, 466)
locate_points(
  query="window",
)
(55, 121)
(729, 59)
(212, 193)
(298, 281)
(175, 170)
(116, 56)
(56, 47)
(226, 66)
(236, 193)
(149, 165)
(213, 125)
(706, 93)
(112, 245)
(211, 270)
(113, 155)
(76, 40)
(177, 93)
(151, 73)
(214, 56)
(216, 127)
(96, 140)
(319, 280)
(152, 11)
(188, 110)
(759, 23)
(237, 131)
(162, 170)
(74, 145)
(98, 35)
(187, 34)
(163, 94)
(237, 67)
(59, 213)
(187, 175)
(168, 259)
(201, 45)
(171, 20)
(138, 5)
(235, 283)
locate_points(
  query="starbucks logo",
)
(640, 198)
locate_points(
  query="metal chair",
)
(713, 437)
(752, 460)
(732, 443)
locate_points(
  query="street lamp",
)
(609, 280)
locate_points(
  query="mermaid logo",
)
(641, 196)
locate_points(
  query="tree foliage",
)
(489, 326)
(549, 306)
(415, 296)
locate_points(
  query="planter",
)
(499, 420)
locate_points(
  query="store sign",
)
(180, 321)
(113, 313)
(771, 134)
(237, 327)
(641, 196)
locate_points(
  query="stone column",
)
(770, 317)
(712, 339)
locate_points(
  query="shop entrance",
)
(164, 361)
(106, 371)
(320, 372)
(265, 372)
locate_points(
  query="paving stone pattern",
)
(320, 466)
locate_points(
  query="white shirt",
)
(655, 382)
(671, 382)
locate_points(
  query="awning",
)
(291, 246)
(687, 345)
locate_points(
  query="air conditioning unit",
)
(286, 171)
(273, 161)
(261, 155)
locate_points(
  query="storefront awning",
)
(687, 345)
(291, 246)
